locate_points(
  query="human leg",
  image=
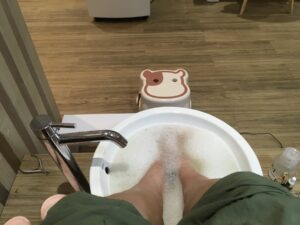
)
(146, 196)
(48, 204)
(18, 220)
(194, 185)
(138, 205)
(243, 198)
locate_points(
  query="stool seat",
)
(164, 88)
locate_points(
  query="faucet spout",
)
(97, 135)
(55, 143)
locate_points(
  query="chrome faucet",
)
(55, 143)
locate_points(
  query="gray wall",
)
(24, 93)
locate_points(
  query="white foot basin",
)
(216, 149)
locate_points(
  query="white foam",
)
(210, 156)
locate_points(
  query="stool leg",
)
(244, 6)
(291, 6)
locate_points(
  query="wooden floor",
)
(244, 70)
(31, 190)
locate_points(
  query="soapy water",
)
(208, 153)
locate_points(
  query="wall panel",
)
(24, 93)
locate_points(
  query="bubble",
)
(210, 156)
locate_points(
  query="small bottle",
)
(292, 182)
(284, 167)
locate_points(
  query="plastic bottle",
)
(285, 165)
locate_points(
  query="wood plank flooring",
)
(30, 190)
(244, 70)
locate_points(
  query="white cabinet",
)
(118, 8)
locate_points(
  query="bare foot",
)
(194, 185)
(146, 196)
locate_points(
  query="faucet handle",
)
(41, 122)
(63, 125)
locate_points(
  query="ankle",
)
(194, 191)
